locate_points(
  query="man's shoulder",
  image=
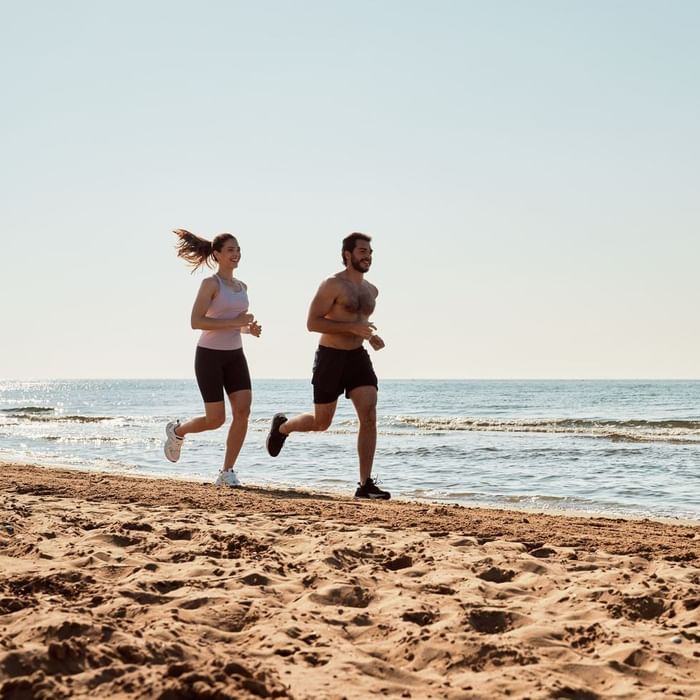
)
(340, 281)
(330, 286)
(337, 280)
(367, 285)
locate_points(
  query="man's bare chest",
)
(356, 300)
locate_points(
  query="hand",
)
(376, 342)
(244, 319)
(254, 328)
(364, 329)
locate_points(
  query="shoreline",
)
(343, 496)
(132, 587)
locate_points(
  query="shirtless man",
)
(340, 312)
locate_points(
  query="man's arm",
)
(321, 305)
(376, 342)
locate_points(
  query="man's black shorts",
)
(336, 371)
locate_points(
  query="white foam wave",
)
(672, 431)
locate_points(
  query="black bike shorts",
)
(336, 371)
(219, 370)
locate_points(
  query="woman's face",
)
(230, 254)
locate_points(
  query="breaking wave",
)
(39, 414)
(672, 431)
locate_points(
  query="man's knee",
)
(322, 423)
(367, 416)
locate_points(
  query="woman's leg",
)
(240, 406)
(215, 416)
(208, 370)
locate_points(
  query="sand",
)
(121, 587)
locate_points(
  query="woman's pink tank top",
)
(226, 304)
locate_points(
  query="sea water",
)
(610, 447)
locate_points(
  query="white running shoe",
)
(227, 478)
(173, 442)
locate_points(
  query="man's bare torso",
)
(353, 302)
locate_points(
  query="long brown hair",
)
(197, 251)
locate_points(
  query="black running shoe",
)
(370, 490)
(275, 439)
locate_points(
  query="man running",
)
(340, 312)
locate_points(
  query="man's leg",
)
(364, 399)
(281, 427)
(319, 420)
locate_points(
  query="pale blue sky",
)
(529, 172)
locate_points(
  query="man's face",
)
(361, 256)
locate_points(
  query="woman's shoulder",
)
(209, 285)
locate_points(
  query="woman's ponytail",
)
(194, 250)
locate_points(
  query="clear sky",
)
(529, 172)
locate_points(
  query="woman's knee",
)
(241, 414)
(214, 422)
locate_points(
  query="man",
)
(340, 312)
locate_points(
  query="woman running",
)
(220, 311)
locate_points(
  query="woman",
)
(220, 311)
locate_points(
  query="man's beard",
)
(356, 265)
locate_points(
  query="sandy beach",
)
(121, 587)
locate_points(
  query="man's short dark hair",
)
(350, 241)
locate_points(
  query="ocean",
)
(629, 448)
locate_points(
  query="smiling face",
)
(227, 253)
(360, 257)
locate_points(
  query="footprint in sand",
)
(401, 562)
(638, 608)
(11, 605)
(167, 586)
(178, 533)
(67, 629)
(586, 638)
(120, 540)
(420, 617)
(346, 559)
(489, 656)
(493, 621)
(67, 585)
(345, 596)
(138, 526)
(438, 589)
(497, 575)
(255, 579)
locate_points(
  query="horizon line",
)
(381, 379)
